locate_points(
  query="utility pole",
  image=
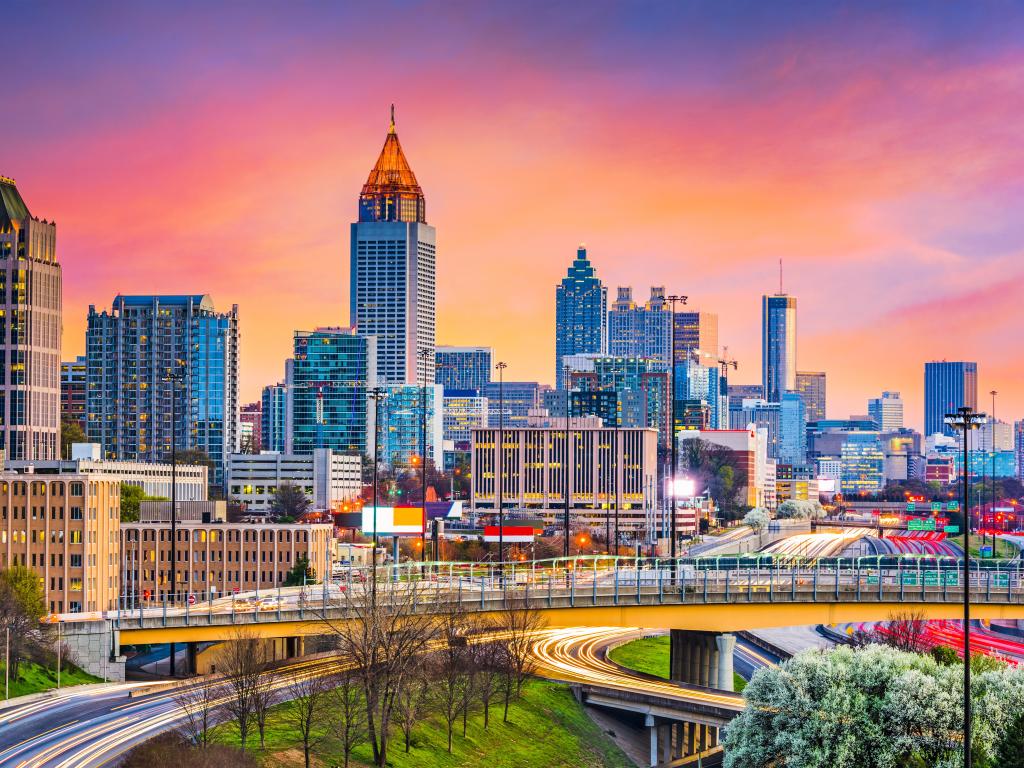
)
(425, 354)
(992, 448)
(174, 377)
(499, 464)
(673, 299)
(377, 394)
(966, 419)
(568, 472)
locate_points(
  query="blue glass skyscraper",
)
(462, 368)
(947, 386)
(581, 313)
(273, 421)
(130, 353)
(641, 331)
(778, 346)
(392, 255)
(328, 380)
(792, 429)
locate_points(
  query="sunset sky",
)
(220, 148)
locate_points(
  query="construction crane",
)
(725, 362)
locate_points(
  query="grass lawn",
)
(33, 678)
(650, 655)
(1002, 550)
(546, 729)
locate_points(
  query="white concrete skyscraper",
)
(392, 292)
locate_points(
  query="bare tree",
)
(264, 693)
(381, 636)
(451, 674)
(307, 710)
(518, 626)
(412, 699)
(350, 705)
(905, 631)
(242, 660)
(488, 663)
(200, 704)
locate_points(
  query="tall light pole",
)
(992, 448)
(966, 419)
(377, 394)
(174, 377)
(673, 299)
(499, 460)
(425, 355)
(566, 370)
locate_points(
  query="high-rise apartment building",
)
(250, 428)
(329, 378)
(274, 416)
(1018, 447)
(759, 415)
(463, 411)
(811, 386)
(392, 292)
(887, 411)
(862, 462)
(792, 429)
(947, 386)
(401, 425)
(696, 332)
(131, 354)
(462, 368)
(581, 317)
(30, 325)
(72, 391)
(778, 346)
(641, 331)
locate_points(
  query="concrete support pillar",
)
(652, 729)
(712, 737)
(709, 640)
(190, 654)
(691, 738)
(664, 743)
(726, 648)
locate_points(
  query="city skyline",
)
(876, 252)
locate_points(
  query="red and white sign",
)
(191, 599)
(513, 534)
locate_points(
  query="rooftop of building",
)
(392, 174)
(12, 205)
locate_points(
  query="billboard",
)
(394, 521)
(513, 534)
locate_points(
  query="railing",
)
(605, 581)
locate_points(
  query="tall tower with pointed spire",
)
(392, 255)
(30, 318)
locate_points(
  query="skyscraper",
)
(462, 368)
(792, 429)
(132, 351)
(581, 317)
(811, 386)
(250, 427)
(72, 391)
(887, 411)
(30, 324)
(947, 386)
(641, 331)
(327, 385)
(392, 268)
(696, 332)
(778, 346)
(273, 414)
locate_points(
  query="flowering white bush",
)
(757, 519)
(872, 707)
(800, 510)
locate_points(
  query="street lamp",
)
(966, 419)
(673, 299)
(992, 447)
(566, 371)
(174, 377)
(376, 394)
(499, 464)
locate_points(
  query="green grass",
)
(33, 678)
(547, 728)
(1003, 549)
(650, 655)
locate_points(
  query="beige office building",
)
(66, 530)
(215, 559)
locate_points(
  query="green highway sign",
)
(915, 525)
(911, 506)
(1001, 580)
(953, 506)
(952, 529)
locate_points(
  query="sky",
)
(874, 147)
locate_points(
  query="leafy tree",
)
(1010, 753)
(289, 501)
(795, 509)
(195, 456)
(70, 432)
(22, 604)
(132, 497)
(944, 655)
(757, 519)
(300, 573)
(715, 468)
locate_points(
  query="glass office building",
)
(131, 353)
(328, 385)
(581, 316)
(778, 346)
(401, 425)
(862, 464)
(643, 331)
(947, 386)
(462, 368)
(792, 429)
(274, 427)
